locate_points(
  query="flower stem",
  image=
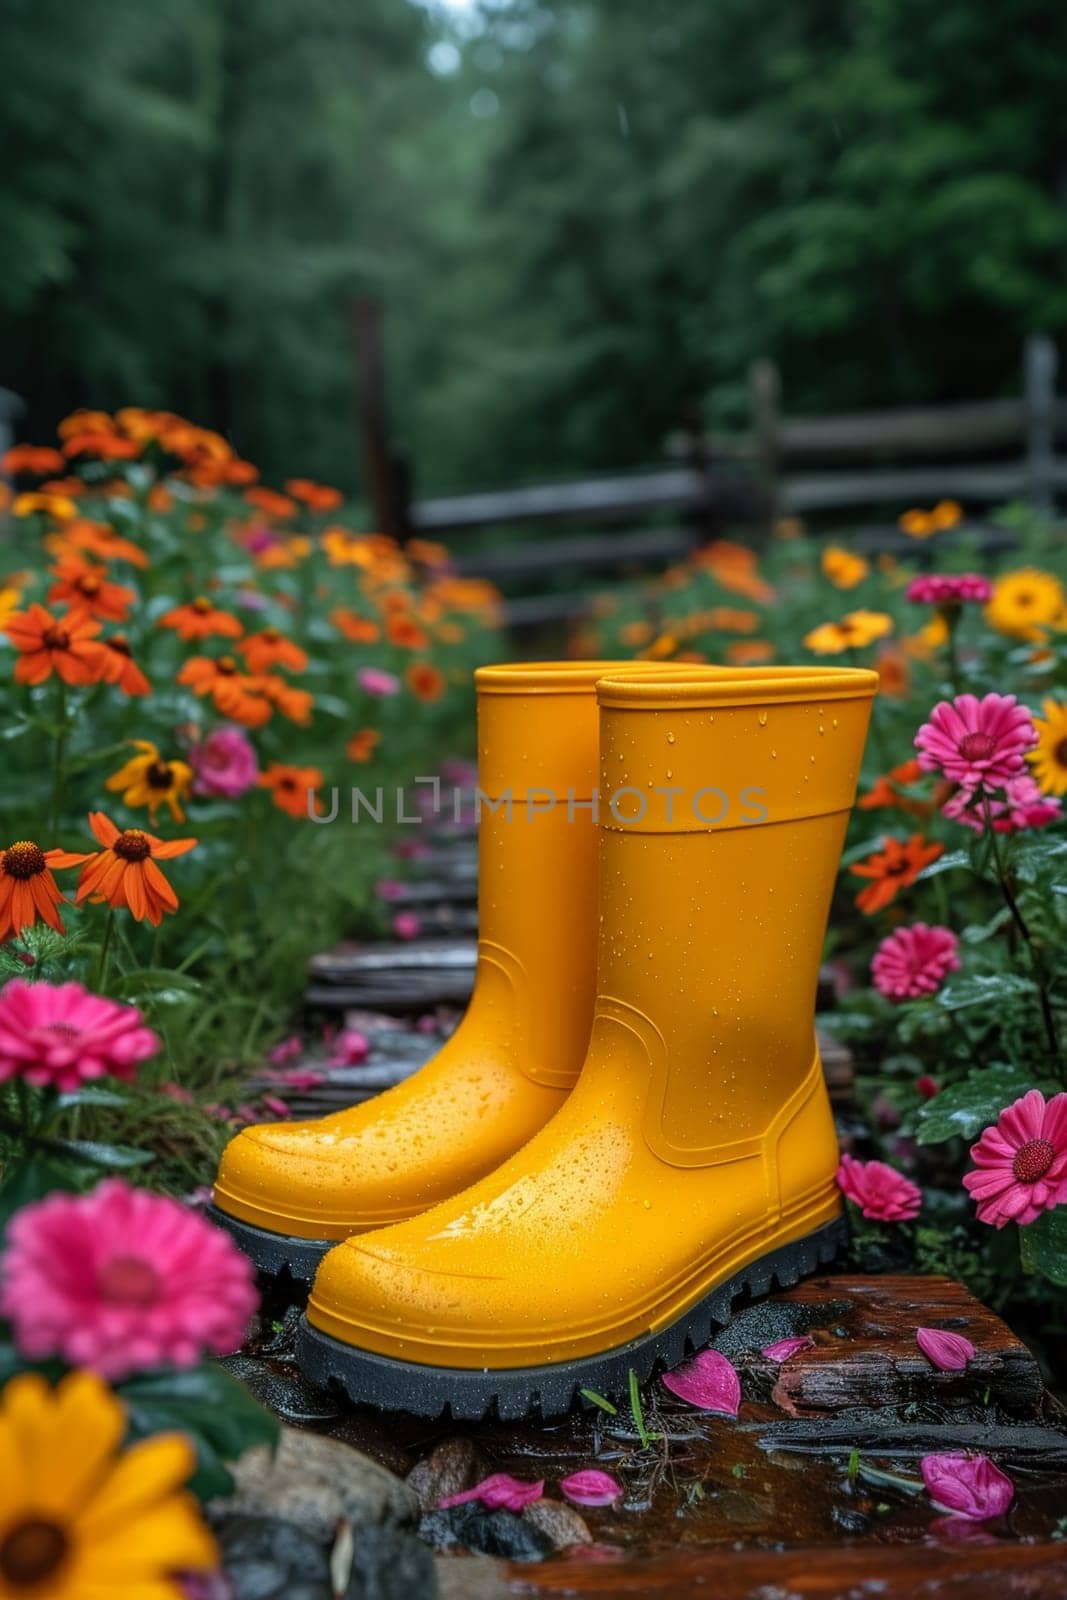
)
(59, 751)
(1037, 962)
(105, 946)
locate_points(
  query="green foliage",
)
(963, 1109)
(221, 1416)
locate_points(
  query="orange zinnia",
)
(124, 872)
(270, 648)
(362, 745)
(357, 629)
(892, 869)
(200, 620)
(106, 446)
(38, 460)
(235, 694)
(291, 787)
(316, 496)
(270, 502)
(425, 681)
(86, 588)
(100, 539)
(28, 890)
(405, 633)
(749, 652)
(46, 644)
(120, 668)
(296, 704)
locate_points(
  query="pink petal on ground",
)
(967, 1486)
(949, 1352)
(708, 1382)
(591, 1488)
(784, 1348)
(498, 1492)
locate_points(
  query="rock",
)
(388, 1564)
(491, 1533)
(558, 1522)
(471, 1578)
(205, 1586)
(314, 1482)
(265, 1559)
(289, 1396)
(456, 1465)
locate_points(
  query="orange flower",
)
(46, 644)
(360, 630)
(635, 634)
(37, 460)
(474, 596)
(124, 872)
(344, 549)
(296, 704)
(428, 552)
(100, 539)
(59, 506)
(884, 792)
(405, 633)
(749, 652)
(894, 674)
(105, 445)
(82, 421)
(362, 745)
(240, 472)
(28, 891)
(200, 620)
(292, 786)
(734, 567)
(316, 496)
(854, 632)
(270, 648)
(85, 588)
(425, 681)
(236, 695)
(894, 868)
(270, 502)
(120, 668)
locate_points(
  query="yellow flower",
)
(57, 505)
(78, 1519)
(10, 599)
(843, 569)
(922, 524)
(929, 638)
(148, 780)
(853, 632)
(1049, 756)
(1027, 602)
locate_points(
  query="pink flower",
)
(709, 1381)
(976, 741)
(58, 1036)
(1020, 804)
(949, 1352)
(406, 925)
(967, 1486)
(375, 681)
(784, 1348)
(591, 1488)
(388, 889)
(927, 1087)
(949, 588)
(1021, 1162)
(498, 1492)
(224, 764)
(276, 1106)
(286, 1050)
(350, 1049)
(120, 1280)
(296, 1077)
(914, 961)
(882, 1193)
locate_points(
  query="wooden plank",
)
(592, 497)
(590, 552)
(907, 486)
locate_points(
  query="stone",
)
(558, 1522)
(454, 1466)
(491, 1533)
(471, 1578)
(268, 1559)
(389, 1564)
(315, 1482)
(289, 1396)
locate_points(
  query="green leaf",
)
(93, 1094)
(91, 1153)
(599, 1401)
(985, 989)
(963, 1109)
(1045, 1245)
(30, 1180)
(946, 863)
(220, 1414)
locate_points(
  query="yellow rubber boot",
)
(289, 1190)
(696, 1156)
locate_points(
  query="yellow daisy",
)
(80, 1519)
(854, 631)
(10, 600)
(844, 569)
(148, 780)
(1049, 756)
(1026, 603)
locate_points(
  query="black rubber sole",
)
(274, 1253)
(511, 1393)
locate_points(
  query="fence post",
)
(765, 384)
(384, 467)
(1039, 398)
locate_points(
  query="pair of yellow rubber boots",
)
(630, 1125)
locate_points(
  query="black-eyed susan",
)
(81, 1517)
(87, 589)
(121, 669)
(270, 648)
(854, 632)
(66, 645)
(147, 780)
(1027, 603)
(294, 789)
(28, 891)
(1049, 756)
(124, 872)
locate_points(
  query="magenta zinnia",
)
(949, 588)
(976, 741)
(914, 961)
(1021, 1162)
(120, 1280)
(882, 1193)
(59, 1035)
